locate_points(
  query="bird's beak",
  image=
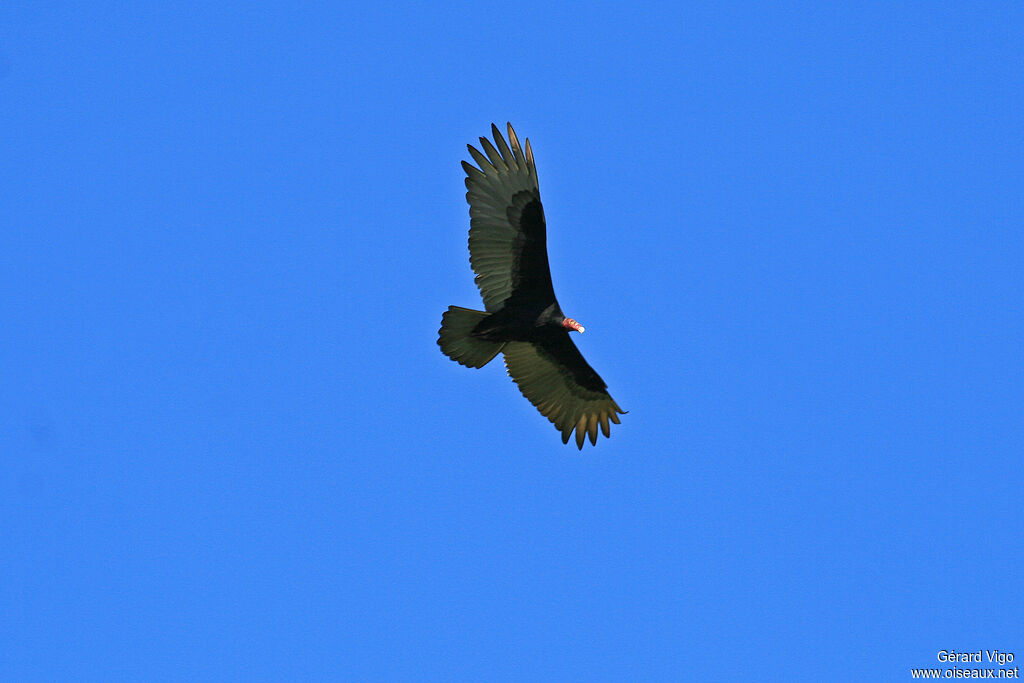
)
(571, 324)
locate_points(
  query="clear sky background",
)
(231, 449)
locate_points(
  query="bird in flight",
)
(508, 252)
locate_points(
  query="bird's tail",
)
(457, 343)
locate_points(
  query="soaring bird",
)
(508, 252)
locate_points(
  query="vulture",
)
(522, 320)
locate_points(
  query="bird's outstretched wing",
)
(557, 380)
(507, 235)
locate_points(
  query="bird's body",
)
(520, 323)
(508, 252)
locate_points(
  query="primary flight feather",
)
(508, 253)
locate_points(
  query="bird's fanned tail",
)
(457, 343)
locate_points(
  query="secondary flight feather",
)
(522, 319)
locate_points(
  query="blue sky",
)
(233, 451)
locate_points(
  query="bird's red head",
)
(571, 324)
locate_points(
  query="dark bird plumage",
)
(508, 253)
